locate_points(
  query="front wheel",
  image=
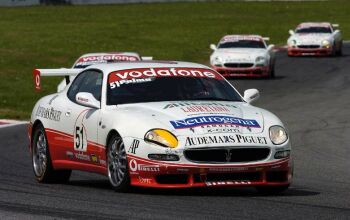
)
(41, 160)
(117, 164)
(271, 190)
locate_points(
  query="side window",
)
(89, 81)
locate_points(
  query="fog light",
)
(282, 154)
(164, 157)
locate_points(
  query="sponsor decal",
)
(204, 108)
(134, 166)
(221, 128)
(235, 38)
(225, 139)
(48, 113)
(144, 180)
(81, 156)
(211, 120)
(228, 169)
(103, 162)
(227, 183)
(89, 60)
(94, 158)
(189, 104)
(70, 154)
(134, 145)
(116, 79)
(182, 169)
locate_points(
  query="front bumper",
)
(149, 173)
(243, 72)
(309, 52)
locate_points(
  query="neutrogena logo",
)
(211, 120)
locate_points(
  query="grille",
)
(239, 65)
(309, 46)
(226, 155)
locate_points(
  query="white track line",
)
(4, 123)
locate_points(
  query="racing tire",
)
(117, 164)
(271, 190)
(41, 160)
(272, 72)
(340, 50)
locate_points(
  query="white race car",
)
(162, 124)
(243, 56)
(96, 58)
(316, 39)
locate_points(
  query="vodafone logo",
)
(36, 77)
(238, 38)
(117, 57)
(116, 79)
(133, 165)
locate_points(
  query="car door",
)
(81, 122)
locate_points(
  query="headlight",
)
(161, 137)
(278, 134)
(217, 61)
(260, 60)
(326, 44)
(292, 43)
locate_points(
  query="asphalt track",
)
(311, 95)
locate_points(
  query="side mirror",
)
(270, 47)
(291, 32)
(336, 32)
(213, 47)
(87, 99)
(251, 95)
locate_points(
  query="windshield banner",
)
(118, 78)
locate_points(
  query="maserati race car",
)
(317, 39)
(243, 55)
(95, 58)
(162, 124)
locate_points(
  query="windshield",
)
(168, 87)
(314, 30)
(242, 44)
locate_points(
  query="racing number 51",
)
(79, 143)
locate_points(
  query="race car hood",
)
(201, 117)
(239, 54)
(311, 38)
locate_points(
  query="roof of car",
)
(112, 67)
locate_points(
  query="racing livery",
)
(315, 39)
(164, 124)
(96, 58)
(243, 55)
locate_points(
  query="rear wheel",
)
(271, 190)
(117, 164)
(41, 159)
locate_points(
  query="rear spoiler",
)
(146, 58)
(335, 25)
(266, 38)
(37, 73)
